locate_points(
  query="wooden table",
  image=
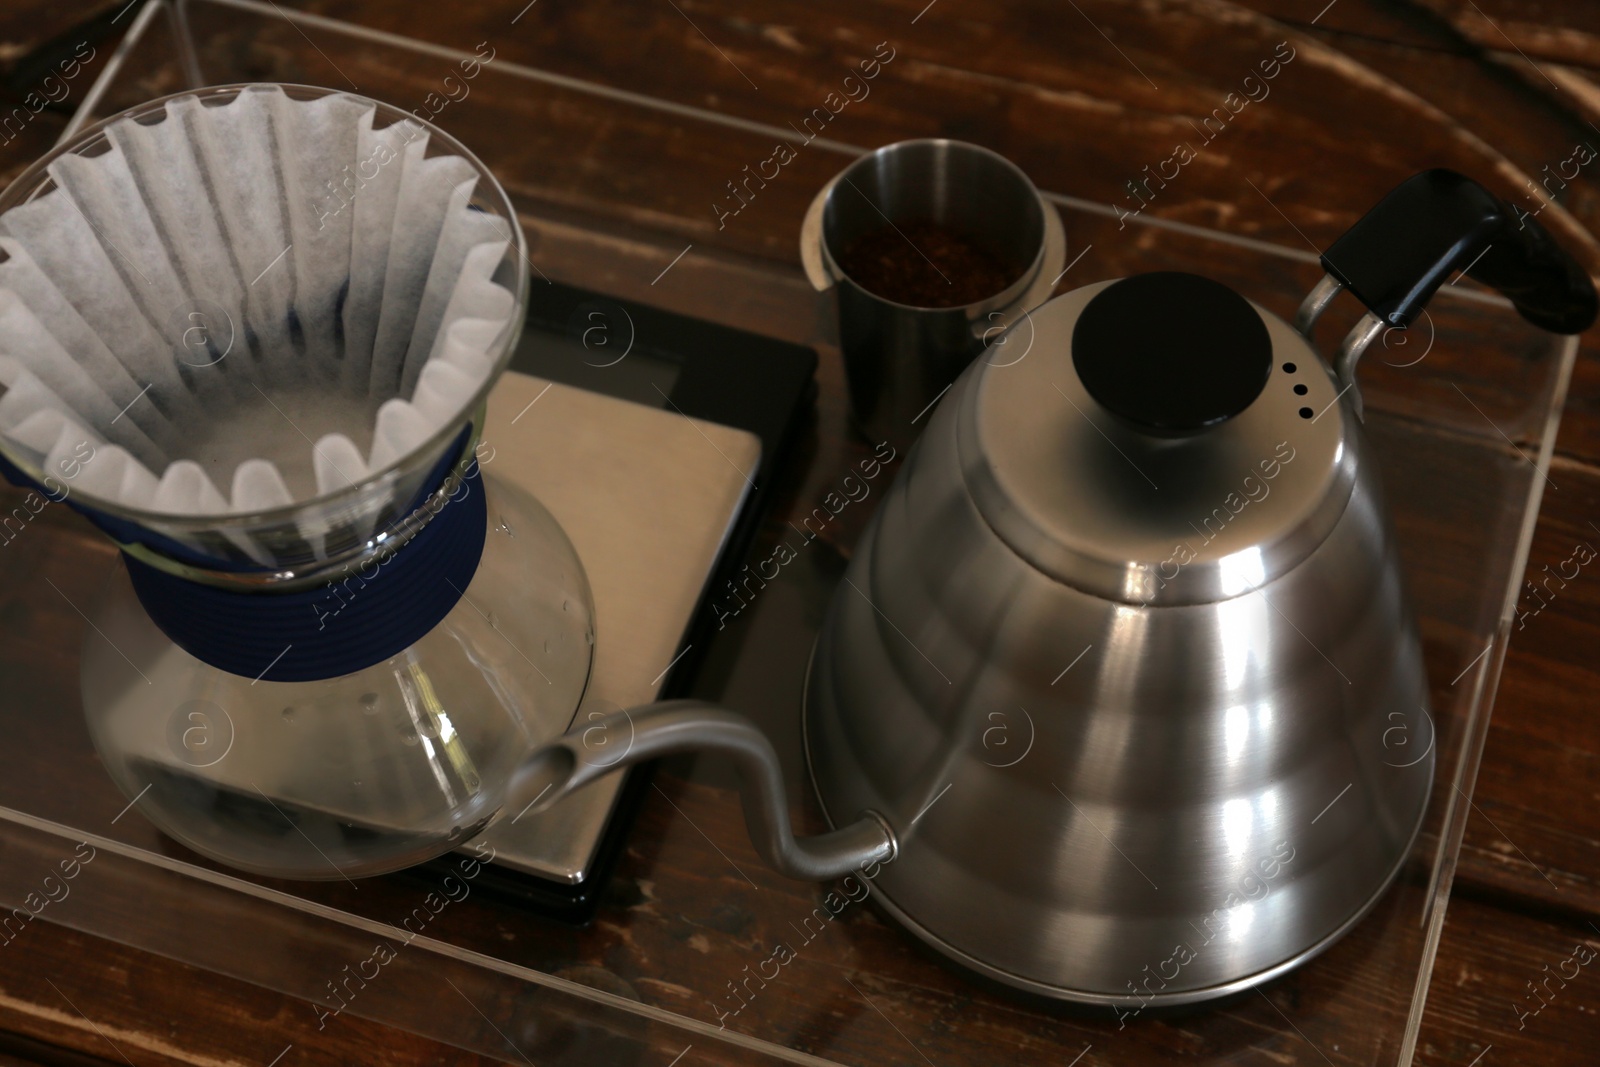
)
(1501, 88)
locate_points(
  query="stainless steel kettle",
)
(1109, 677)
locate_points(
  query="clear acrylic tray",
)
(1462, 410)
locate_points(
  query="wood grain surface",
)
(1501, 89)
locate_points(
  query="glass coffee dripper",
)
(341, 685)
(372, 670)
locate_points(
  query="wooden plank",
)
(1327, 141)
(1534, 832)
(113, 1004)
(1482, 1009)
(1563, 33)
(26, 29)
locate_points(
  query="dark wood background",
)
(1500, 88)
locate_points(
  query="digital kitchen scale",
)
(654, 439)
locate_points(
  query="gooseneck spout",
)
(594, 749)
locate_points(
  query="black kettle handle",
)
(1438, 222)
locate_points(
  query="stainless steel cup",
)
(899, 358)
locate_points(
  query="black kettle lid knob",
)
(1171, 354)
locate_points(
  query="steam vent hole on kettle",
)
(924, 264)
(1171, 354)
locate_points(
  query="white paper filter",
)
(245, 306)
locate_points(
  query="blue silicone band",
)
(363, 617)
